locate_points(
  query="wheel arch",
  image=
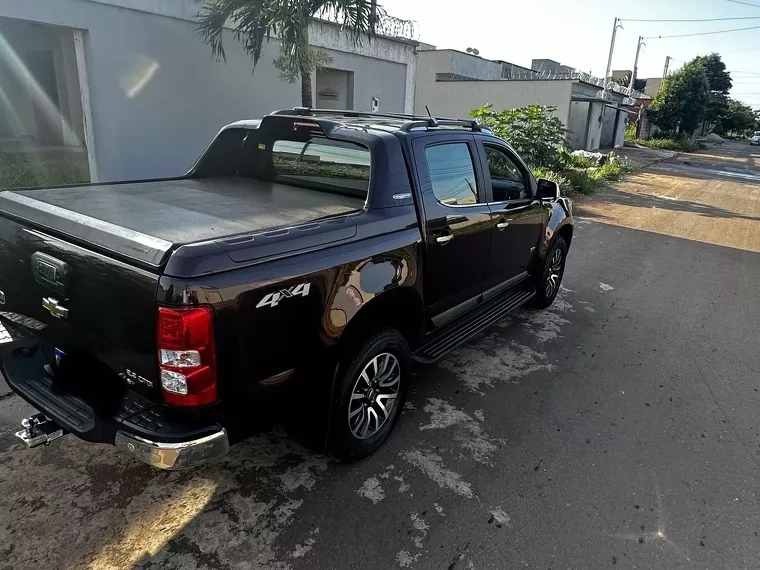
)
(399, 308)
(566, 233)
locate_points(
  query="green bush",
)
(552, 175)
(613, 169)
(534, 132)
(679, 145)
(580, 180)
(582, 183)
(19, 170)
(567, 159)
(630, 132)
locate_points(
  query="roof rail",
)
(308, 112)
(412, 121)
(434, 122)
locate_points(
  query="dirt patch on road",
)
(699, 197)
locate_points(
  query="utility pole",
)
(612, 48)
(635, 64)
(665, 71)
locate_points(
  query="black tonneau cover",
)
(144, 220)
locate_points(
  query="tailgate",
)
(98, 311)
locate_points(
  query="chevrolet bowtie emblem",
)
(54, 308)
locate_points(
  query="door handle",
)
(501, 225)
(445, 239)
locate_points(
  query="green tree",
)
(717, 76)
(681, 104)
(740, 119)
(720, 84)
(534, 131)
(255, 22)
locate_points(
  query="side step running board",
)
(453, 334)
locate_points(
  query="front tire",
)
(373, 381)
(551, 275)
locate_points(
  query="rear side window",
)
(323, 162)
(452, 174)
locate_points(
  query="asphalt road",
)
(616, 429)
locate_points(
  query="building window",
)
(335, 89)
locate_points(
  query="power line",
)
(703, 33)
(744, 3)
(696, 20)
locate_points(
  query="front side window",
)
(507, 180)
(452, 174)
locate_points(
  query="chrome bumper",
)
(174, 456)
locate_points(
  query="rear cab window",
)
(323, 164)
(291, 153)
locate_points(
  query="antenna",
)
(428, 111)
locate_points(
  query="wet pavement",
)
(616, 429)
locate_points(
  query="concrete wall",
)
(550, 66)
(385, 80)
(157, 96)
(458, 98)
(654, 84)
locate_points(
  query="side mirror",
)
(548, 190)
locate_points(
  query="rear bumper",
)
(122, 417)
(174, 456)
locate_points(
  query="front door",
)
(458, 225)
(517, 216)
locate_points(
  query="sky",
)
(577, 33)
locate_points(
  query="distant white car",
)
(755, 138)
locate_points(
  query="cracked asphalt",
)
(616, 429)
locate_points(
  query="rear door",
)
(97, 311)
(458, 223)
(517, 215)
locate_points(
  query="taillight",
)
(186, 356)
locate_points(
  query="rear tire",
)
(371, 388)
(551, 275)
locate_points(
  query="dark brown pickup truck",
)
(308, 257)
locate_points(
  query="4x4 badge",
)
(273, 299)
(53, 307)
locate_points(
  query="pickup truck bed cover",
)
(158, 215)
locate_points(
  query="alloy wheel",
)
(374, 395)
(555, 272)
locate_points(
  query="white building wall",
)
(157, 96)
(458, 98)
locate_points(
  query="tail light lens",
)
(186, 355)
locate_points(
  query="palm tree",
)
(638, 84)
(256, 21)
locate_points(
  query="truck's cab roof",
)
(330, 119)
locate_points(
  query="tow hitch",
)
(38, 430)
